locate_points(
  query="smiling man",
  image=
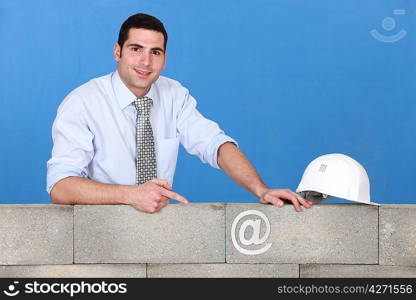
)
(116, 137)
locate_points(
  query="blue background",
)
(290, 80)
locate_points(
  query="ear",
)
(117, 52)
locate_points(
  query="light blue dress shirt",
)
(94, 131)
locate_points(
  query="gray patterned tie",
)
(145, 145)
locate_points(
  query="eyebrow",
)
(140, 46)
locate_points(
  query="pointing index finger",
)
(175, 196)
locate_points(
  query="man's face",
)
(141, 59)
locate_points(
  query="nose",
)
(145, 58)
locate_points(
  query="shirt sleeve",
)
(198, 135)
(73, 147)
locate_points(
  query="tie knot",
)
(143, 105)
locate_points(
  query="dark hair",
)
(141, 21)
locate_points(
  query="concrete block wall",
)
(208, 240)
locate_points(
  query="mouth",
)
(142, 73)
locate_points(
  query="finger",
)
(307, 201)
(162, 182)
(277, 202)
(294, 200)
(287, 195)
(274, 200)
(161, 205)
(175, 196)
(303, 201)
(153, 208)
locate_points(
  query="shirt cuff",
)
(57, 172)
(215, 145)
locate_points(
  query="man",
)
(116, 137)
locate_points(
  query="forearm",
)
(77, 190)
(236, 165)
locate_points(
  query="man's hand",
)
(278, 197)
(152, 196)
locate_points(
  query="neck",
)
(138, 92)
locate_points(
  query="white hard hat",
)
(335, 175)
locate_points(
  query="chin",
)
(143, 85)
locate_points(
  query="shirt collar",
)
(123, 95)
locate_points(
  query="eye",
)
(136, 49)
(156, 52)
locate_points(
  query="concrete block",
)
(75, 271)
(192, 233)
(356, 271)
(325, 233)
(222, 270)
(36, 234)
(398, 235)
